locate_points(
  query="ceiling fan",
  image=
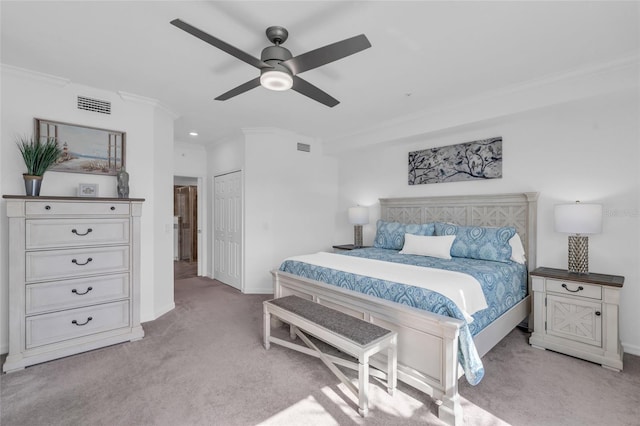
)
(278, 68)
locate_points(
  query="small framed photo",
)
(88, 190)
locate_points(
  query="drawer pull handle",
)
(81, 264)
(84, 323)
(75, 231)
(80, 294)
(598, 313)
(580, 288)
(47, 207)
(113, 208)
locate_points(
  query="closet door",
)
(227, 208)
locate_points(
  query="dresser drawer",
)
(575, 288)
(58, 208)
(69, 263)
(65, 325)
(49, 233)
(59, 295)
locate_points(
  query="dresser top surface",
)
(60, 198)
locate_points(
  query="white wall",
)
(149, 157)
(289, 198)
(190, 159)
(162, 186)
(584, 150)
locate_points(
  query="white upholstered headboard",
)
(517, 210)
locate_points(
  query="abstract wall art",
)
(481, 159)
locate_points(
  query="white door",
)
(227, 234)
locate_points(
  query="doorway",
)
(185, 224)
(227, 229)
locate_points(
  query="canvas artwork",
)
(85, 149)
(481, 159)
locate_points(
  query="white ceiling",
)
(424, 54)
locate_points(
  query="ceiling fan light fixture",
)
(276, 80)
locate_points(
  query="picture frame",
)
(476, 160)
(85, 149)
(88, 190)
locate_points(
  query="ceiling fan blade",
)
(326, 54)
(240, 89)
(222, 45)
(305, 88)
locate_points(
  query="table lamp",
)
(578, 219)
(358, 216)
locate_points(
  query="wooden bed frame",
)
(428, 342)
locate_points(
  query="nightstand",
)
(577, 314)
(347, 247)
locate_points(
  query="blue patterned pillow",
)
(477, 242)
(390, 235)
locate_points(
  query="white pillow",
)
(434, 246)
(517, 251)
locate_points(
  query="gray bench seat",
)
(351, 335)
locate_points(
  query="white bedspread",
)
(464, 290)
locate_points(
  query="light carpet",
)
(204, 364)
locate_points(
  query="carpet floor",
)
(204, 364)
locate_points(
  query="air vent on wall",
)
(94, 105)
(304, 147)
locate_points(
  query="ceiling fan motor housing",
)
(273, 55)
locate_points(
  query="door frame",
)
(202, 224)
(242, 225)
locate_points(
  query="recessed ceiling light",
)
(193, 133)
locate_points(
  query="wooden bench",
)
(351, 335)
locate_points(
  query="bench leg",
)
(363, 386)
(293, 332)
(392, 366)
(266, 326)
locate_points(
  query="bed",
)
(431, 356)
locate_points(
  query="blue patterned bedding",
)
(503, 284)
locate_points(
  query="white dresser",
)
(74, 276)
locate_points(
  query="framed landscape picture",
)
(84, 149)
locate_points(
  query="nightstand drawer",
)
(49, 233)
(575, 288)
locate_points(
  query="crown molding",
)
(596, 79)
(35, 75)
(131, 97)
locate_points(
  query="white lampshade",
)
(358, 215)
(578, 218)
(276, 80)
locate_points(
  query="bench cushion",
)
(354, 329)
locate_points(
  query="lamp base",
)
(578, 254)
(357, 236)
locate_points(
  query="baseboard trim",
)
(259, 291)
(631, 349)
(160, 312)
